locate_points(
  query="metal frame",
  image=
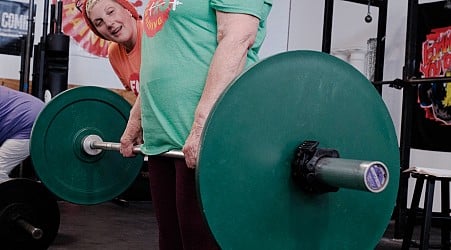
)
(400, 213)
(381, 31)
(27, 49)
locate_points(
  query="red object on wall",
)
(74, 26)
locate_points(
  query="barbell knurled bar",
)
(93, 145)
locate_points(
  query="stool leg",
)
(412, 213)
(428, 201)
(445, 213)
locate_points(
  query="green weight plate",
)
(56, 142)
(247, 194)
(30, 201)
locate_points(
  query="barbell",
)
(29, 215)
(262, 179)
(314, 169)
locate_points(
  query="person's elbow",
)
(238, 36)
(238, 40)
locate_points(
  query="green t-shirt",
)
(178, 43)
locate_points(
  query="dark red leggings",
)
(174, 198)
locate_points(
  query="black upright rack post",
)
(57, 56)
(327, 26)
(26, 49)
(39, 59)
(406, 116)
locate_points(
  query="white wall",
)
(276, 40)
(85, 69)
(349, 30)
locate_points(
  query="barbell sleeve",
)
(35, 232)
(321, 170)
(112, 146)
(371, 176)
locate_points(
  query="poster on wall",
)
(432, 112)
(13, 26)
(74, 26)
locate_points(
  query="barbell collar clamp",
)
(320, 170)
(94, 145)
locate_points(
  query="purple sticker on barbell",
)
(376, 176)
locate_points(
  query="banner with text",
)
(13, 26)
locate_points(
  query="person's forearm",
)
(132, 134)
(133, 128)
(225, 66)
(236, 34)
(135, 112)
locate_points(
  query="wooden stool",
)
(427, 216)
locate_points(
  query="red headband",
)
(124, 3)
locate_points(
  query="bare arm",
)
(133, 132)
(236, 34)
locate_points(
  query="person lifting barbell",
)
(282, 108)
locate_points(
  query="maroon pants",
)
(174, 198)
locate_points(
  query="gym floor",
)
(107, 226)
(126, 225)
(117, 227)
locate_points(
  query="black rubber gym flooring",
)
(107, 226)
(111, 226)
(132, 225)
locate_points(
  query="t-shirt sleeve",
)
(252, 7)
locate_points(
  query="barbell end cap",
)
(376, 176)
(87, 144)
(37, 233)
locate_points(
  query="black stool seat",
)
(427, 216)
